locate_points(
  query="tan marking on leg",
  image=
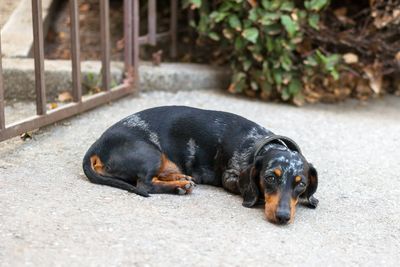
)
(297, 179)
(96, 164)
(168, 171)
(271, 204)
(187, 186)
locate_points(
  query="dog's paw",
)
(313, 202)
(186, 188)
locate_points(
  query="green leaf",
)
(285, 95)
(250, 34)
(287, 6)
(270, 44)
(267, 72)
(335, 74)
(273, 29)
(269, 18)
(311, 61)
(218, 16)
(277, 75)
(196, 3)
(226, 6)
(294, 86)
(316, 5)
(332, 61)
(234, 22)
(267, 4)
(286, 61)
(246, 65)
(253, 14)
(313, 21)
(228, 33)
(214, 36)
(239, 43)
(289, 24)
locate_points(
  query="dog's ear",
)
(312, 187)
(248, 184)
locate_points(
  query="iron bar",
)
(38, 48)
(63, 112)
(128, 33)
(105, 43)
(75, 52)
(2, 106)
(173, 28)
(152, 21)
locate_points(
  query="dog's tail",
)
(97, 178)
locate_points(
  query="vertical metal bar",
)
(135, 47)
(105, 43)
(75, 49)
(173, 27)
(152, 21)
(128, 33)
(39, 56)
(2, 118)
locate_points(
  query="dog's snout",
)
(283, 216)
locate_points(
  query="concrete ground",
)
(50, 215)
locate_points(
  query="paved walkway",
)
(51, 215)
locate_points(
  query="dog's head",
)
(280, 176)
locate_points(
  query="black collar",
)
(279, 139)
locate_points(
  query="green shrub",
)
(265, 41)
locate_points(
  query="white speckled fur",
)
(134, 121)
(240, 159)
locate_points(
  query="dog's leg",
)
(230, 180)
(167, 179)
(170, 172)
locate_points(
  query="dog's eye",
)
(107, 168)
(302, 184)
(270, 179)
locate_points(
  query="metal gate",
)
(80, 104)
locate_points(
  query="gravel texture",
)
(50, 215)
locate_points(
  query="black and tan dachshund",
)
(169, 149)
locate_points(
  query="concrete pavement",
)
(50, 215)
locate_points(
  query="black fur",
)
(213, 147)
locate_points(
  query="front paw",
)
(312, 202)
(186, 188)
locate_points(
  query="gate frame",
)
(81, 104)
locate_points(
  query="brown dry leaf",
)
(363, 91)
(397, 56)
(299, 100)
(341, 13)
(374, 75)
(350, 58)
(253, 3)
(231, 88)
(84, 7)
(65, 97)
(250, 93)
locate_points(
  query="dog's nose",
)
(282, 216)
